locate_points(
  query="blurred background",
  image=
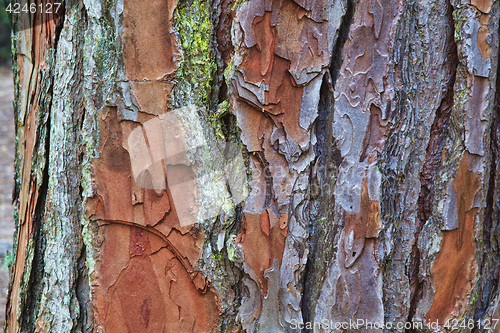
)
(4, 34)
(6, 155)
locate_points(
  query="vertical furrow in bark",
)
(322, 229)
(452, 246)
(423, 77)
(432, 163)
(38, 268)
(222, 20)
(275, 95)
(382, 128)
(336, 60)
(221, 261)
(59, 308)
(35, 38)
(352, 288)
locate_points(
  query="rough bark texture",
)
(370, 131)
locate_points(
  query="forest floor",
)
(6, 178)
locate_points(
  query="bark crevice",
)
(430, 170)
(336, 61)
(323, 174)
(42, 93)
(431, 167)
(35, 284)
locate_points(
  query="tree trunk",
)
(258, 166)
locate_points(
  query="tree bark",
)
(339, 166)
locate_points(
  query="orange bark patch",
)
(358, 226)
(263, 241)
(454, 267)
(375, 136)
(262, 65)
(146, 278)
(266, 41)
(152, 97)
(283, 97)
(482, 37)
(150, 291)
(149, 46)
(483, 5)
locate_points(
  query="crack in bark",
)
(34, 295)
(336, 61)
(322, 231)
(85, 319)
(185, 262)
(222, 21)
(429, 171)
(321, 226)
(34, 287)
(84, 323)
